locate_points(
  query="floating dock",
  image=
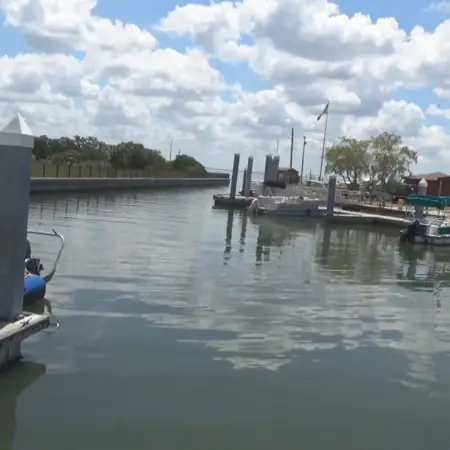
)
(359, 218)
(225, 201)
(13, 333)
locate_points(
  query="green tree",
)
(67, 157)
(187, 163)
(348, 159)
(390, 161)
(125, 155)
(41, 148)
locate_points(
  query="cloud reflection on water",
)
(276, 289)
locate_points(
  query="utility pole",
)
(303, 159)
(292, 147)
(170, 151)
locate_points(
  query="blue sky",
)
(145, 14)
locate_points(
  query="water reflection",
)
(13, 383)
(228, 235)
(272, 291)
(243, 218)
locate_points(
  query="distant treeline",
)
(125, 155)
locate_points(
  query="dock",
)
(360, 218)
(13, 333)
(239, 202)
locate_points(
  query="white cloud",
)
(440, 7)
(125, 85)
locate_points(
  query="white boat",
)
(282, 205)
(427, 231)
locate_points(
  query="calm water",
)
(185, 328)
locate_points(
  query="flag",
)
(325, 111)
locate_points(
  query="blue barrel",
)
(34, 288)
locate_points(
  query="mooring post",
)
(234, 176)
(422, 189)
(267, 172)
(16, 144)
(267, 167)
(244, 181)
(275, 167)
(331, 195)
(248, 183)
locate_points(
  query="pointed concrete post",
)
(16, 145)
(422, 189)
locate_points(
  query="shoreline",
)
(56, 185)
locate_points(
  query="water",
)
(184, 328)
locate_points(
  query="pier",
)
(342, 205)
(16, 144)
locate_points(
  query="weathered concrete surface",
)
(42, 185)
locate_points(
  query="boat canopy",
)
(430, 201)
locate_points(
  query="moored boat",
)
(429, 229)
(35, 276)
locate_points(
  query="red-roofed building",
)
(438, 182)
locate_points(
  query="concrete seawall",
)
(42, 185)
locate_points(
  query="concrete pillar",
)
(273, 170)
(331, 195)
(248, 183)
(267, 167)
(244, 181)
(276, 166)
(16, 144)
(234, 176)
(422, 188)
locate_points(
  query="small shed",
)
(289, 175)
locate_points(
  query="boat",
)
(35, 279)
(427, 230)
(286, 205)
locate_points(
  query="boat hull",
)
(436, 240)
(443, 240)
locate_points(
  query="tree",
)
(125, 155)
(188, 163)
(348, 159)
(390, 161)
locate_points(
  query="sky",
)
(219, 78)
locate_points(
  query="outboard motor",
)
(410, 232)
(33, 266)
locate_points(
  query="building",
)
(289, 175)
(438, 182)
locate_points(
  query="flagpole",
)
(324, 141)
